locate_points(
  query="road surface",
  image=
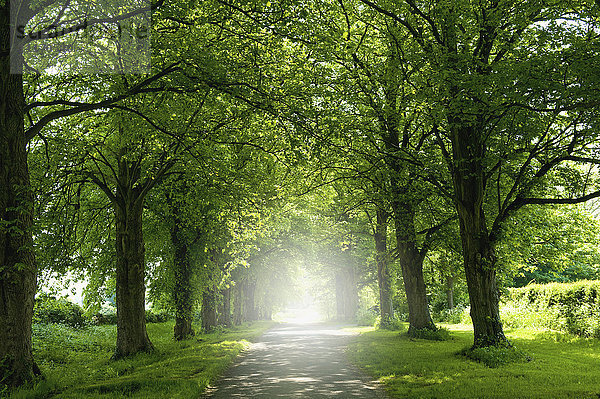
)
(296, 361)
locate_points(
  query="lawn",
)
(77, 364)
(562, 366)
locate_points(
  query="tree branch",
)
(44, 34)
(83, 107)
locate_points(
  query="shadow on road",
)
(296, 361)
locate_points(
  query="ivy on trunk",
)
(386, 311)
(18, 268)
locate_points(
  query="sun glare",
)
(305, 315)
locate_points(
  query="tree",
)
(182, 262)
(126, 170)
(18, 268)
(372, 77)
(550, 243)
(380, 236)
(490, 132)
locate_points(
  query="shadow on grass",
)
(428, 369)
(176, 369)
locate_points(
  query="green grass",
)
(77, 364)
(562, 366)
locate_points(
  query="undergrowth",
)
(439, 334)
(493, 356)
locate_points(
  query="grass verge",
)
(562, 366)
(76, 362)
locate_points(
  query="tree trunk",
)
(346, 294)
(404, 200)
(268, 314)
(351, 297)
(383, 272)
(225, 316)
(480, 268)
(18, 268)
(339, 296)
(465, 120)
(479, 258)
(182, 292)
(419, 317)
(249, 307)
(411, 262)
(209, 309)
(450, 292)
(410, 257)
(237, 304)
(132, 336)
(131, 289)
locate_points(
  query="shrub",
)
(439, 334)
(519, 314)
(394, 324)
(157, 316)
(366, 317)
(106, 315)
(48, 309)
(455, 315)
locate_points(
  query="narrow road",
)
(296, 361)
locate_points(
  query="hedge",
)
(572, 307)
(559, 294)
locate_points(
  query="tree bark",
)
(404, 200)
(479, 258)
(450, 292)
(237, 304)
(339, 296)
(346, 294)
(225, 314)
(466, 119)
(267, 314)
(411, 262)
(383, 272)
(249, 306)
(132, 336)
(351, 291)
(209, 309)
(18, 268)
(182, 290)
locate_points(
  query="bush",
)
(366, 317)
(456, 315)
(439, 334)
(106, 315)
(394, 324)
(48, 309)
(519, 314)
(157, 316)
(569, 307)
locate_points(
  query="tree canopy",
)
(226, 160)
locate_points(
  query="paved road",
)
(296, 361)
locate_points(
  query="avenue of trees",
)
(426, 151)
